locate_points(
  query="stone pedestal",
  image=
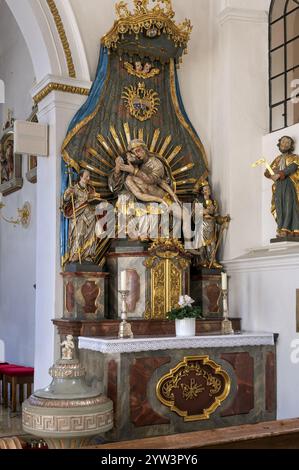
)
(85, 295)
(205, 289)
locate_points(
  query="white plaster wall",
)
(263, 294)
(263, 290)
(239, 118)
(17, 246)
(246, 4)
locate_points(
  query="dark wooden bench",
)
(269, 435)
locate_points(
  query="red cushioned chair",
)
(16, 375)
(1, 378)
(4, 365)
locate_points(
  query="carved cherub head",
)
(147, 67)
(138, 66)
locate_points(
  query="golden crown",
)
(200, 185)
(153, 21)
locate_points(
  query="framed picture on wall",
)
(10, 165)
(31, 174)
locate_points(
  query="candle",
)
(224, 281)
(123, 280)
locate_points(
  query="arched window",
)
(284, 63)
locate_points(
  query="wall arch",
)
(39, 28)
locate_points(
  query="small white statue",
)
(68, 348)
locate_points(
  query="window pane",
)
(293, 54)
(278, 117)
(292, 5)
(284, 29)
(277, 9)
(293, 111)
(293, 82)
(277, 62)
(277, 87)
(277, 34)
(292, 25)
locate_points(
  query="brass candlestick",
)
(226, 325)
(125, 329)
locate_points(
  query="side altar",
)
(140, 229)
(168, 385)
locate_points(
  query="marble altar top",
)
(138, 344)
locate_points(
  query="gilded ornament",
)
(140, 73)
(195, 388)
(63, 38)
(122, 10)
(168, 248)
(168, 264)
(168, 11)
(141, 102)
(151, 21)
(141, 6)
(59, 87)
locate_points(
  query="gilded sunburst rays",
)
(100, 158)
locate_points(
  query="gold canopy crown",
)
(153, 21)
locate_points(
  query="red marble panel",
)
(69, 297)
(213, 295)
(68, 327)
(112, 383)
(133, 285)
(270, 382)
(90, 292)
(243, 365)
(141, 372)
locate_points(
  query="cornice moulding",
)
(242, 15)
(70, 82)
(52, 83)
(284, 256)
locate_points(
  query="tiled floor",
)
(10, 423)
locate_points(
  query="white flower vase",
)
(185, 327)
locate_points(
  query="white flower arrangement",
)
(185, 310)
(186, 301)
